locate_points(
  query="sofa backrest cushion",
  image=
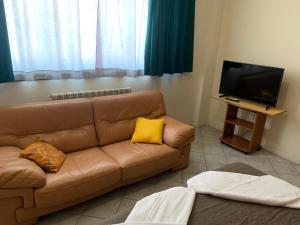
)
(115, 116)
(66, 124)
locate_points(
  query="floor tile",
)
(211, 166)
(171, 179)
(197, 147)
(194, 168)
(258, 155)
(126, 204)
(103, 206)
(209, 131)
(58, 219)
(230, 152)
(234, 159)
(75, 210)
(298, 168)
(210, 140)
(87, 220)
(277, 159)
(197, 157)
(198, 139)
(295, 180)
(284, 168)
(213, 148)
(215, 159)
(261, 164)
(139, 190)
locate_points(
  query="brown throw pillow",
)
(44, 155)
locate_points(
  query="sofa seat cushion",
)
(141, 159)
(83, 173)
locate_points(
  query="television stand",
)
(268, 107)
(232, 99)
(256, 128)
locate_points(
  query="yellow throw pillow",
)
(44, 155)
(148, 131)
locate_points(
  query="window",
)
(53, 39)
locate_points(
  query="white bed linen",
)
(265, 190)
(169, 207)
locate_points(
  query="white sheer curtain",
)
(121, 36)
(54, 39)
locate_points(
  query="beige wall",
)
(182, 92)
(265, 32)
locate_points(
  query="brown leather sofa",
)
(95, 135)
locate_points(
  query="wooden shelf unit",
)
(256, 127)
(236, 142)
(241, 123)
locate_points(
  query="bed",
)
(209, 210)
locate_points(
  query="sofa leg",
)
(184, 158)
(8, 208)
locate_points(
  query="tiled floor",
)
(207, 153)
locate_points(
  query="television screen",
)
(252, 82)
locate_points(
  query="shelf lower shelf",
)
(241, 123)
(237, 142)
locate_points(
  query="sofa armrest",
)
(16, 172)
(176, 133)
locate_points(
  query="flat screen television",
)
(256, 83)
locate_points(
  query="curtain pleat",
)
(61, 39)
(121, 34)
(6, 71)
(52, 39)
(170, 37)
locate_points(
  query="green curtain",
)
(6, 71)
(170, 37)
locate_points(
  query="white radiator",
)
(88, 94)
